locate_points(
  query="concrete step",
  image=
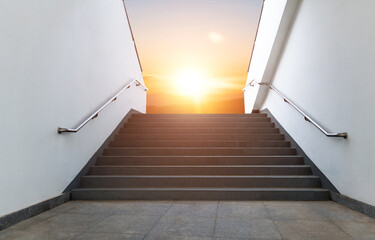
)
(148, 151)
(201, 170)
(200, 125)
(197, 143)
(114, 181)
(175, 116)
(199, 130)
(200, 157)
(202, 137)
(276, 194)
(201, 119)
(198, 160)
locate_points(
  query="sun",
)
(190, 82)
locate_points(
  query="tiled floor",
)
(193, 220)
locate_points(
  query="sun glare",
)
(190, 82)
(215, 37)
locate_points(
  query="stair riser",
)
(200, 125)
(211, 170)
(198, 152)
(151, 160)
(199, 119)
(119, 182)
(177, 116)
(158, 143)
(199, 130)
(200, 157)
(201, 195)
(201, 137)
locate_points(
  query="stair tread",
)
(210, 141)
(202, 122)
(201, 176)
(207, 166)
(206, 189)
(246, 157)
(201, 134)
(201, 147)
(170, 156)
(210, 128)
(200, 115)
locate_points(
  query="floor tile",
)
(219, 238)
(195, 220)
(252, 210)
(358, 231)
(63, 207)
(297, 212)
(41, 234)
(89, 207)
(128, 224)
(193, 210)
(144, 208)
(310, 230)
(336, 212)
(34, 220)
(108, 236)
(170, 225)
(196, 202)
(72, 222)
(287, 203)
(5, 233)
(170, 237)
(246, 228)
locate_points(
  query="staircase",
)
(200, 157)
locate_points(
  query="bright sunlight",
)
(191, 82)
(194, 54)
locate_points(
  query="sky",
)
(194, 49)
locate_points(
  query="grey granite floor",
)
(195, 220)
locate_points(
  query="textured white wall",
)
(327, 69)
(59, 61)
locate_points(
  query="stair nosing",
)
(206, 176)
(206, 189)
(200, 148)
(205, 166)
(209, 156)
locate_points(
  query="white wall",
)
(327, 69)
(59, 61)
(273, 28)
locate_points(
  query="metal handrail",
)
(307, 118)
(256, 36)
(131, 32)
(96, 113)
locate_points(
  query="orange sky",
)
(196, 48)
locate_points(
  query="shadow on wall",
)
(226, 106)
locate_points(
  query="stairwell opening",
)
(194, 54)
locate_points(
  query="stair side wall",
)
(326, 68)
(59, 62)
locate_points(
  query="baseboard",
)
(354, 204)
(335, 195)
(26, 213)
(77, 180)
(315, 170)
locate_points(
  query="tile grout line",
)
(158, 220)
(217, 210)
(104, 218)
(282, 237)
(343, 230)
